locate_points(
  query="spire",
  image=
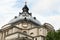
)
(25, 8)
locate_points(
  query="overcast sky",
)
(46, 11)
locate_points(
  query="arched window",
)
(24, 32)
(31, 33)
(35, 38)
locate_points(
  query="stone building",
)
(25, 27)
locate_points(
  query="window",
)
(24, 32)
(42, 38)
(31, 33)
(35, 38)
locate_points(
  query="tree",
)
(58, 34)
(53, 35)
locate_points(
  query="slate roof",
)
(29, 18)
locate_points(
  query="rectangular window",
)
(42, 38)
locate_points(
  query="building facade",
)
(25, 27)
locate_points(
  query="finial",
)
(25, 3)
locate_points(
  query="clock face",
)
(25, 25)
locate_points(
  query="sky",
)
(46, 11)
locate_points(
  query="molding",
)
(39, 36)
(19, 33)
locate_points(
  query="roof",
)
(22, 17)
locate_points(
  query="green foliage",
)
(53, 35)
